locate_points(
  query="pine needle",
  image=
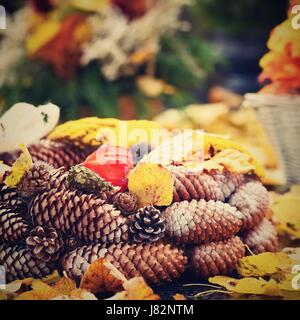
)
(203, 293)
(201, 284)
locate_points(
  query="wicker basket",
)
(280, 115)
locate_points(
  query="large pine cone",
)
(147, 224)
(82, 215)
(126, 202)
(44, 243)
(41, 177)
(201, 221)
(207, 186)
(216, 258)
(252, 200)
(262, 238)
(156, 262)
(13, 226)
(55, 153)
(10, 198)
(19, 263)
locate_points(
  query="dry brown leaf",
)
(102, 276)
(135, 289)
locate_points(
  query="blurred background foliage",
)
(190, 62)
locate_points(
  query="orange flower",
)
(63, 52)
(281, 65)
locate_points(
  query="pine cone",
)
(212, 186)
(58, 154)
(82, 215)
(41, 177)
(252, 200)
(147, 224)
(55, 153)
(10, 198)
(262, 238)
(13, 226)
(19, 263)
(126, 202)
(216, 258)
(201, 221)
(156, 262)
(45, 244)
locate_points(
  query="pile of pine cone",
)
(66, 219)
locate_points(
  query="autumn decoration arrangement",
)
(82, 214)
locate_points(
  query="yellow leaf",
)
(232, 160)
(82, 132)
(21, 165)
(52, 278)
(152, 183)
(286, 213)
(179, 297)
(248, 285)
(102, 276)
(64, 286)
(28, 295)
(214, 144)
(135, 289)
(43, 290)
(128, 133)
(276, 264)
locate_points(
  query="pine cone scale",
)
(216, 258)
(201, 221)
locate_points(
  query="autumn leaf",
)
(248, 285)
(21, 165)
(152, 184)
(179, 297)
(102, 276)
(40, 291)
(265, 264)
(286, 213)
(232, 160)
(135, 289)
(64, 286)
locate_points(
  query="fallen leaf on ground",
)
(286, 213)
(102, 276)
(135, 289)
(265, 264)
(248, 285)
